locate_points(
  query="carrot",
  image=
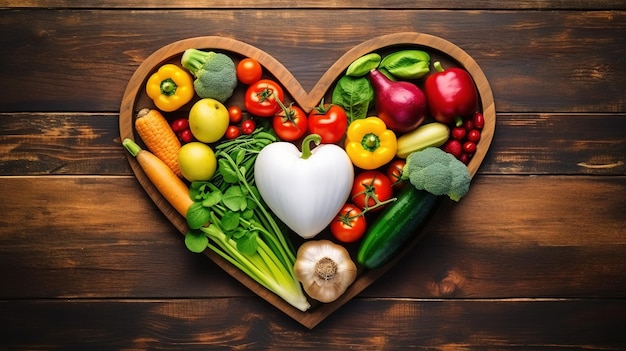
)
(164, 179)
(159, 137)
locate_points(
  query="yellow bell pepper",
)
(170, 87)
(369, 143)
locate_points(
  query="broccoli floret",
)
(437, 172)
(215, 73)
(460, 180)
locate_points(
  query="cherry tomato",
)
(394, 172)
(479, 120)
(180, 124)
(473, 136)
(329, 121)
(248, 126)
(469, 147)
(370, 188)
(458, 133)
(468, 124)
(249, 71)
(234, 114)
(453, 147)
(260, 98)
(291, 124)
(465, 158)
(185, 136)
(232, 132)
(349, 225)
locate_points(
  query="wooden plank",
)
(109, 241)
(545, 143)
(363, 324)
(61, 143)
(287, 4)
(88, 72)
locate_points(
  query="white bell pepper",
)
(304, 189)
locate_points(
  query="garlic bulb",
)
(324, 269)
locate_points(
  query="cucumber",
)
(395, 226)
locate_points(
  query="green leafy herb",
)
(229, 218)
(197, 215)
(196, 241)
(354, 94)
(235, 198)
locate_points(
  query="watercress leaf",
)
(195, 190)
(212, 186)
(230, 220)
(229, 174)
(249, 212)
(196, 241)
(242, 170)
(234, 199)
(238, 155)
(212, 198)
(195, 195)
(197, 215)
(251, 204)
(196, 185)
(354, 94)
(248, 243)
(237, 233)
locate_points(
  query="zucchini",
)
(395, 226)
(432, 134)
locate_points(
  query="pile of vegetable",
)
(353, 179)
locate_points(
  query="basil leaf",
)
(354, 95)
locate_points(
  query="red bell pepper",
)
(451, 93)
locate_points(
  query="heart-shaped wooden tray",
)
(135, 99)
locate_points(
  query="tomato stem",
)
(323, 109)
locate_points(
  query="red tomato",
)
(248, 126)
(469, 147)
(349, 225)
(260, 98)
(235, 114)
(394, 172)
(329, 121)
(371, 188)
(185, 136)
(290, 124)
(249, 71)
(180, 124)
(232, 132)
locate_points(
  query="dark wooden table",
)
(533, 258)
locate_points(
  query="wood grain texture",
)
(553, 61)
(526, 143)
(465, 252)
(325, 4)
(534, 261)
(244, 324)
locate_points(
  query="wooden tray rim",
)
(307, 100)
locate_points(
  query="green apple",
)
(197, 161)
(208, 120)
